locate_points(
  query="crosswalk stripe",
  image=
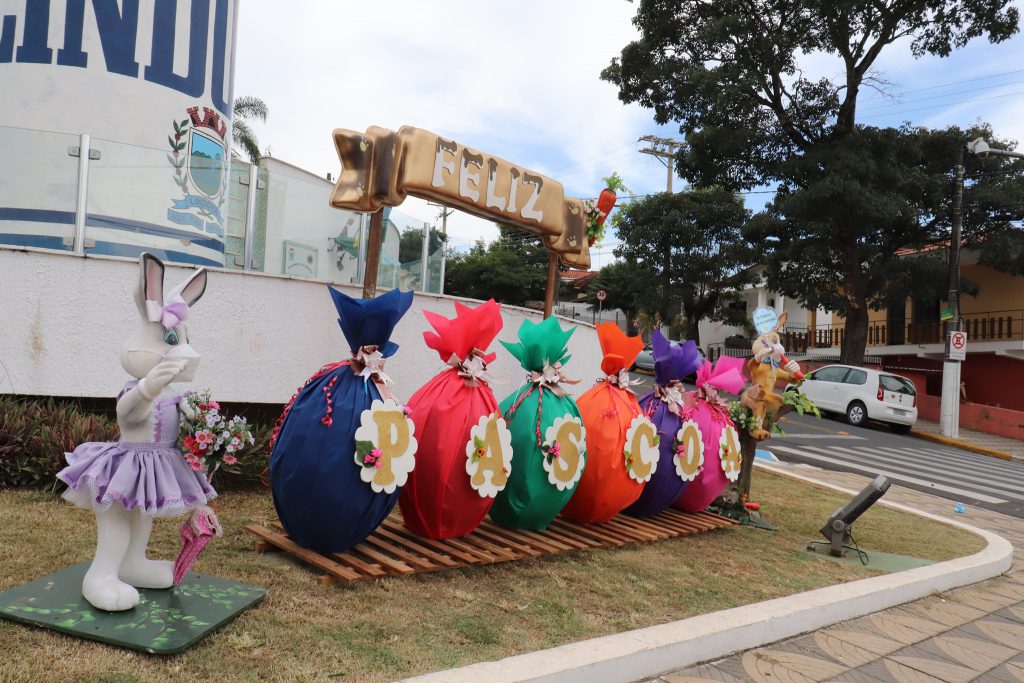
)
(895, 476)
(942, 473)
(994, 464)
(981, 463)
(1001, 471)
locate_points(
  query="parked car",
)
(863, 394)
(645, 362)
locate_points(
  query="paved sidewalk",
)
(971, 633)
(1002, 444)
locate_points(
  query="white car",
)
(863, 394)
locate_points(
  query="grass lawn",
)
(402, 626)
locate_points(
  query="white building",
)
(115, 138)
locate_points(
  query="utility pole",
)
(443, 215)
(949, 407)
(664, 149)
(949, 410)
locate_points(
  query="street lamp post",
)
(949, 411)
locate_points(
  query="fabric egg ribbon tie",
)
(621, 380)
(473, 369)
(170, 315)
(368, 363)
(549, 378)
(671, 395)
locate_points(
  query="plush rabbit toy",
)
(768, 349)
(144, 475)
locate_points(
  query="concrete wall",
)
(64, 318)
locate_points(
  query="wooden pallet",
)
(393, 550)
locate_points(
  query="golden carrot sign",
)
(381, 167)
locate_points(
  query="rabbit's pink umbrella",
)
(195, 533)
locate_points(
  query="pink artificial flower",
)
(377, 464)
(406, 411)
(214, 405)
(556, 449)
(204, 437)
(230, 460)
(375, 453)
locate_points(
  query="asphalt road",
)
(961, 476)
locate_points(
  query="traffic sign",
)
(601, 295)
(957, 346)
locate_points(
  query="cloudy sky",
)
(521, 81)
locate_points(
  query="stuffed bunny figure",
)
(768, 348)
(143, 475)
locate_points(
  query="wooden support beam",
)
(373, 247)
(552, 290)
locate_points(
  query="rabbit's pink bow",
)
(171, 314)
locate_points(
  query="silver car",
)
(645, 362)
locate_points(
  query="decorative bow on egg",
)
(472, 370)
(550, 378)
(671, 395)
(726, 375)
(170, 315)
(368, 363)
(621, 380)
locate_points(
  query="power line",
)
(945, 85)
(945, 104)
(936, 97)
(662, 148)
(599, 156)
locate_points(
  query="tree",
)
(511, 270)
(729, 73)
(627, 285)
(245, 110)
(410, 245)
(892, 189)
(693, 245)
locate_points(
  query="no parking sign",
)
(957, 346)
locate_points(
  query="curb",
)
(649, 652)
(963, 445)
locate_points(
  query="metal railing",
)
(982, 326)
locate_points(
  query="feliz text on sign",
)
(381, 167)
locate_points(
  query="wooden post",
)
(552, 290)
(373, 254)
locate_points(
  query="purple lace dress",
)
(152, 477)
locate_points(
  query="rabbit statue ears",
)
(149, 295)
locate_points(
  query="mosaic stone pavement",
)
(974, 633)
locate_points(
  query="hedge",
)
(36, 433)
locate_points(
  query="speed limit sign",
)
(601, 295)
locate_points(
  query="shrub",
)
(36, 433)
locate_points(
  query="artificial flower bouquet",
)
(207, 438)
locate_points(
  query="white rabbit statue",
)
(144, 475)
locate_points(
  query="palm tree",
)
(245, 110)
